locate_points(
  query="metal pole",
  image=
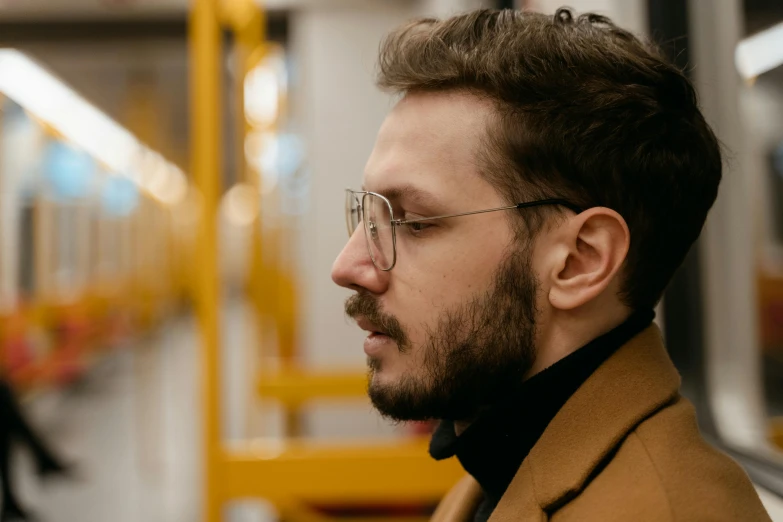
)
(726, 246)
(205, 74)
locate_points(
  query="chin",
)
(382, 374)
(398, 401)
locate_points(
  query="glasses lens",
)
(351, 212)
(378, 227)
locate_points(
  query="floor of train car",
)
(134, 452)
(132, 427)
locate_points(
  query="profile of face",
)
(451, 328)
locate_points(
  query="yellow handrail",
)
(205, 70)
(348, 473)
(293, 387)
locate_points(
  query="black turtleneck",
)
(493, 447)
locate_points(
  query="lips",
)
(376, 344)
(367, 326)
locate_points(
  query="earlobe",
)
(591, 252)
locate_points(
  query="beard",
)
(477, 353)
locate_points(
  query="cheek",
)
(421, 297)
(445, 272)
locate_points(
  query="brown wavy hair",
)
(584, 111)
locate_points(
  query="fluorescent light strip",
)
(760, 53)
(49, 99)
(87, 128)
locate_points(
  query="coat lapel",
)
(460, 504)
(631, 385)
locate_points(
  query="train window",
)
(66, 256)
(762, 109)
(27, 250)
(760, 101)
(93, 239)
(108, 248)
(723, 308)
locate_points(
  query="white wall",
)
(443, 8)
(339, 111)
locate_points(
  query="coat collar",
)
(631, 385)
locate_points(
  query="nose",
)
(354, 268)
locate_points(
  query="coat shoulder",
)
(626, 487)
(664, 471)
(697, 477)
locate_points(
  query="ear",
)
(591, 250)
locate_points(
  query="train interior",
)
(204, 370)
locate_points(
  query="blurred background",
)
(171, 201)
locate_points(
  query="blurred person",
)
(529, 197)
(14, 427)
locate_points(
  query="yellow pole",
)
(247, 18)
(205, 70)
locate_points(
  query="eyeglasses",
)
(375, 211)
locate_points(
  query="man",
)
(528, 199)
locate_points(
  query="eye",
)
(417, 227)
(373, 229)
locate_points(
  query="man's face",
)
(452, 326)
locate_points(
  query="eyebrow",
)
(409, 193)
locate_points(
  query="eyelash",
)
(417, 227)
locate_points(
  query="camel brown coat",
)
(624, 448)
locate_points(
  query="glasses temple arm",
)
(564, 203)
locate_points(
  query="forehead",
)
(430, 140)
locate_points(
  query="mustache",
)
(365, 305)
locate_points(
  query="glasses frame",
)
(394, 223)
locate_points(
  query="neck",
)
(563, 332)
(560, 335)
